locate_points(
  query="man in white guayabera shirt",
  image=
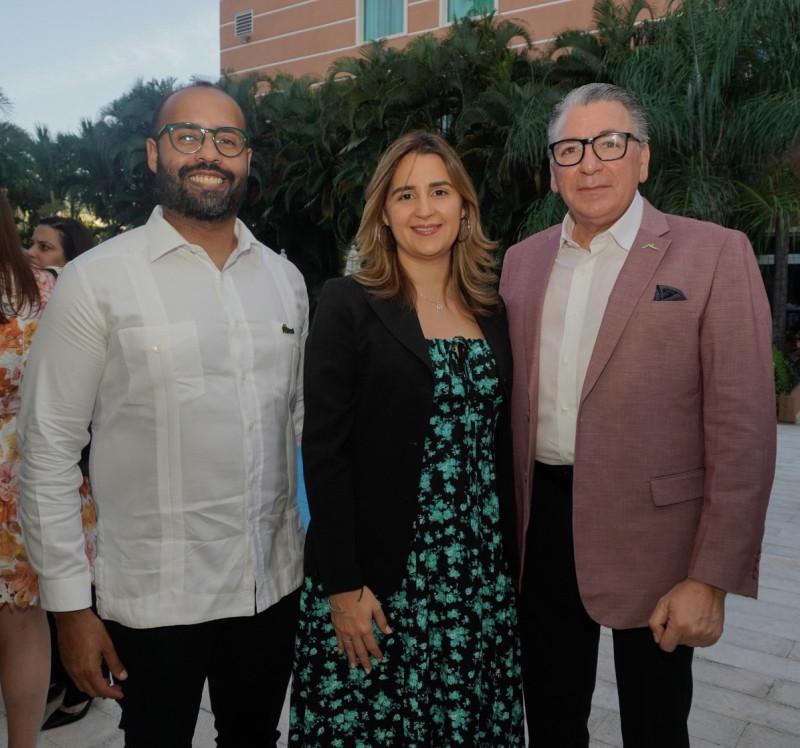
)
(181, 344)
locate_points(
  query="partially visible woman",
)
(57, 241)
(24, 639)
(408, 633)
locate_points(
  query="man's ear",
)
(645, 164)
(152, 154)
(553, 180)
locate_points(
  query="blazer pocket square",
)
(668, 293)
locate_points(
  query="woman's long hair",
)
(473, 277)
(19, 292)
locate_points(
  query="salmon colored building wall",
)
(306, 36)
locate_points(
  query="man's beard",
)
(212, 206)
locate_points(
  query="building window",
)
(461, 8)
(383, 18)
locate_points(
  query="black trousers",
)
(247, 662)
(560, 644)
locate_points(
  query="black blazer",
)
(368, 383)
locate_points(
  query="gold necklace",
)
(437, 304)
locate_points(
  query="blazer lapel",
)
(402, 322)
(536, 276)
(644, 257)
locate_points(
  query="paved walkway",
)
(747, 687)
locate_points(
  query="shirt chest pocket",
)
(163, 360)
(276, 354)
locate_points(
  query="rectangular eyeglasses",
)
(188, 137)
(609, 146)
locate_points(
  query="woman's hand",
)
(352, 614)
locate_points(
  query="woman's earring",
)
(380, 234)
(464, 238)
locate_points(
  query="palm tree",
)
(296, 138)
(6, 106)
(503, 144)
(580, 56)
(17, 172)
(722, 86)
(113, 179)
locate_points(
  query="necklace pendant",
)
(439, 307)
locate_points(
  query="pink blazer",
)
(675, 449)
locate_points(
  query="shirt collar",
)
(623, 231)
(163, 238)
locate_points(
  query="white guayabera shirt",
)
(192, 380)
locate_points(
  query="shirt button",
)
(157, 348)
(252, 425)
(565, 409)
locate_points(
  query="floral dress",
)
(450, 674)
(18, 585)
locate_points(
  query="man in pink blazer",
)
(643, 418)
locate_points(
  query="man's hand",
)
(85, 644)
(691, 613)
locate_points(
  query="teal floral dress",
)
(450, 674)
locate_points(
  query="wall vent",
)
(243, 25)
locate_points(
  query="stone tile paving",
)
(747, 687)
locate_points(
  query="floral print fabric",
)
(18, 584)
(450, 675)
(89, 522)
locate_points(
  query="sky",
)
(62, 61)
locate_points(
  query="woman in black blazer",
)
(408, 623)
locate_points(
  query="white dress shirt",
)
(191, 378)
(574, 304)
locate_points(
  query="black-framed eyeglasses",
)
(188, 137)
(608, 146)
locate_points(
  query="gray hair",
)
(593, 93)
